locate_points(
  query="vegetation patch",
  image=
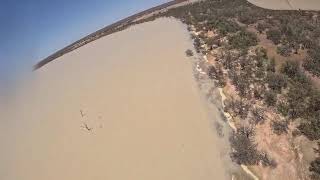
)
(286, 90)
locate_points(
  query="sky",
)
(33, 29)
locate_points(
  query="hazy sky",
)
(33, 29)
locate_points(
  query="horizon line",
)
(107, 30)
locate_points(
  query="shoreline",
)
(225, 114)
(231, 124)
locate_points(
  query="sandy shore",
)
(123, 107)
(287, 4)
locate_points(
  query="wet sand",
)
(123, 107)
(287, 4)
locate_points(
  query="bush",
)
(197, 44)
(243, 40)
(276, 81)
(247, 17)
(267, 161)
(270, 98)
(312, 62)
(217, 74)
(261, 27)
(274, 35)
(311, 127)
(189, 53)
(258, 92)
(280, 127)
(212, 72)
(237, 108)
(315, 168)
(284, 50)
(290, 68)
(223, 25)
(257, 116)
(283, 108)
(315, 165)
(272, 65)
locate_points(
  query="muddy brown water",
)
(123, 107)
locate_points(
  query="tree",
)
(244, 149)
(237, 108)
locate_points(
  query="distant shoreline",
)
(112, 28)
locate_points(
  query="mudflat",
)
(287, 4)
(123, 107)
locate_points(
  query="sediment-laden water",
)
(123, 107)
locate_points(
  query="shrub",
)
(267, 161)
(270, 98)
(283, 108)
(223, 25)
(247, 17)
(311, 127)
(257, 116)
(315, 168)
(284, 50)
(276, 81)
(243, 40)
(212, 72)
(237, 108)
(280, 127)
(272, 65)
(197, 44)
(290, 68)
(261, 27)
(217, 74)
(258, 92)
(189, 53)
(274, 35)
(312, 62)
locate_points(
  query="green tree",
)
(244, 148)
